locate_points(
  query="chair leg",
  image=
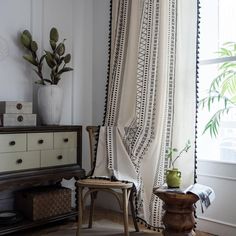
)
(125, 211)
(133, 211)
(80, 204)
(93, 196)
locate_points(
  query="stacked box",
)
(14, 113)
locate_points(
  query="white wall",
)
(100, 56)
(16, 83)
(219, 218)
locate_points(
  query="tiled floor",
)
(106, 223)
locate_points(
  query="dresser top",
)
(43, 128)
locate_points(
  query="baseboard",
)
(216, 228)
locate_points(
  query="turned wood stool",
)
(178, 218)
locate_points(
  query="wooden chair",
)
(95, 185)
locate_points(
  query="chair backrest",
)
(93, 132)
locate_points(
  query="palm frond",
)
(213, 124)
(222, 90)
(212, 97)
(229, 85)
(215, 84)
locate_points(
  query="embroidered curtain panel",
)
(151, 65)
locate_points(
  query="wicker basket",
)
(43, 202)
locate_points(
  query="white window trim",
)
(217, 60)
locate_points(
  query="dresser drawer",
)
(40, 141)
(58, 157)
(19, 161)
(12, 142)
(65, 140)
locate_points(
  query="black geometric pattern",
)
(140, 133)
(117, 65)
(155, 203)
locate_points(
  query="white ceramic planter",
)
(50, 104)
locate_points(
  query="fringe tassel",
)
(108, 64)
(148, 226)
(197, 96)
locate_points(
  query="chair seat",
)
(102, 183)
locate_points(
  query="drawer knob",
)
(20, 118)
(19, 106)
(19, 161)
(40, 141)
(66, 140)
(59, 157)
(12, 143)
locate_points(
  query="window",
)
(217, 28)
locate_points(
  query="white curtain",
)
(151, 96)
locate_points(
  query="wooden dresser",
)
(39, 155)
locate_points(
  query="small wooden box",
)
(10, 107)
(43, 202)
(17, 120)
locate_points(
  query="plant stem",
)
(40, 74)
(178, 157)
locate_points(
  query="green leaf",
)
(57, 59)
(48, 81)
(228, 43)
(67, 58)
(34, 46)
(57, 79)
(30, 59)
(65, 69)
(229, 84)
(25, 40)
(39, 82)
(54, 36)
(213, 124)
(222, 90)
(49, 59)
(233, 99)
(27, 33)
(60, 50)
(41, 59)
(225, 52)
(53, 44)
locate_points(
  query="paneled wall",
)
(15, 78)
(38, 16)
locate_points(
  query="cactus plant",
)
(56, 59)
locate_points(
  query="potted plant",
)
(49, 94)
(173, 175)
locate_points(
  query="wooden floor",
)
(106, 223)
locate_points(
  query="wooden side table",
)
(178, 218)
